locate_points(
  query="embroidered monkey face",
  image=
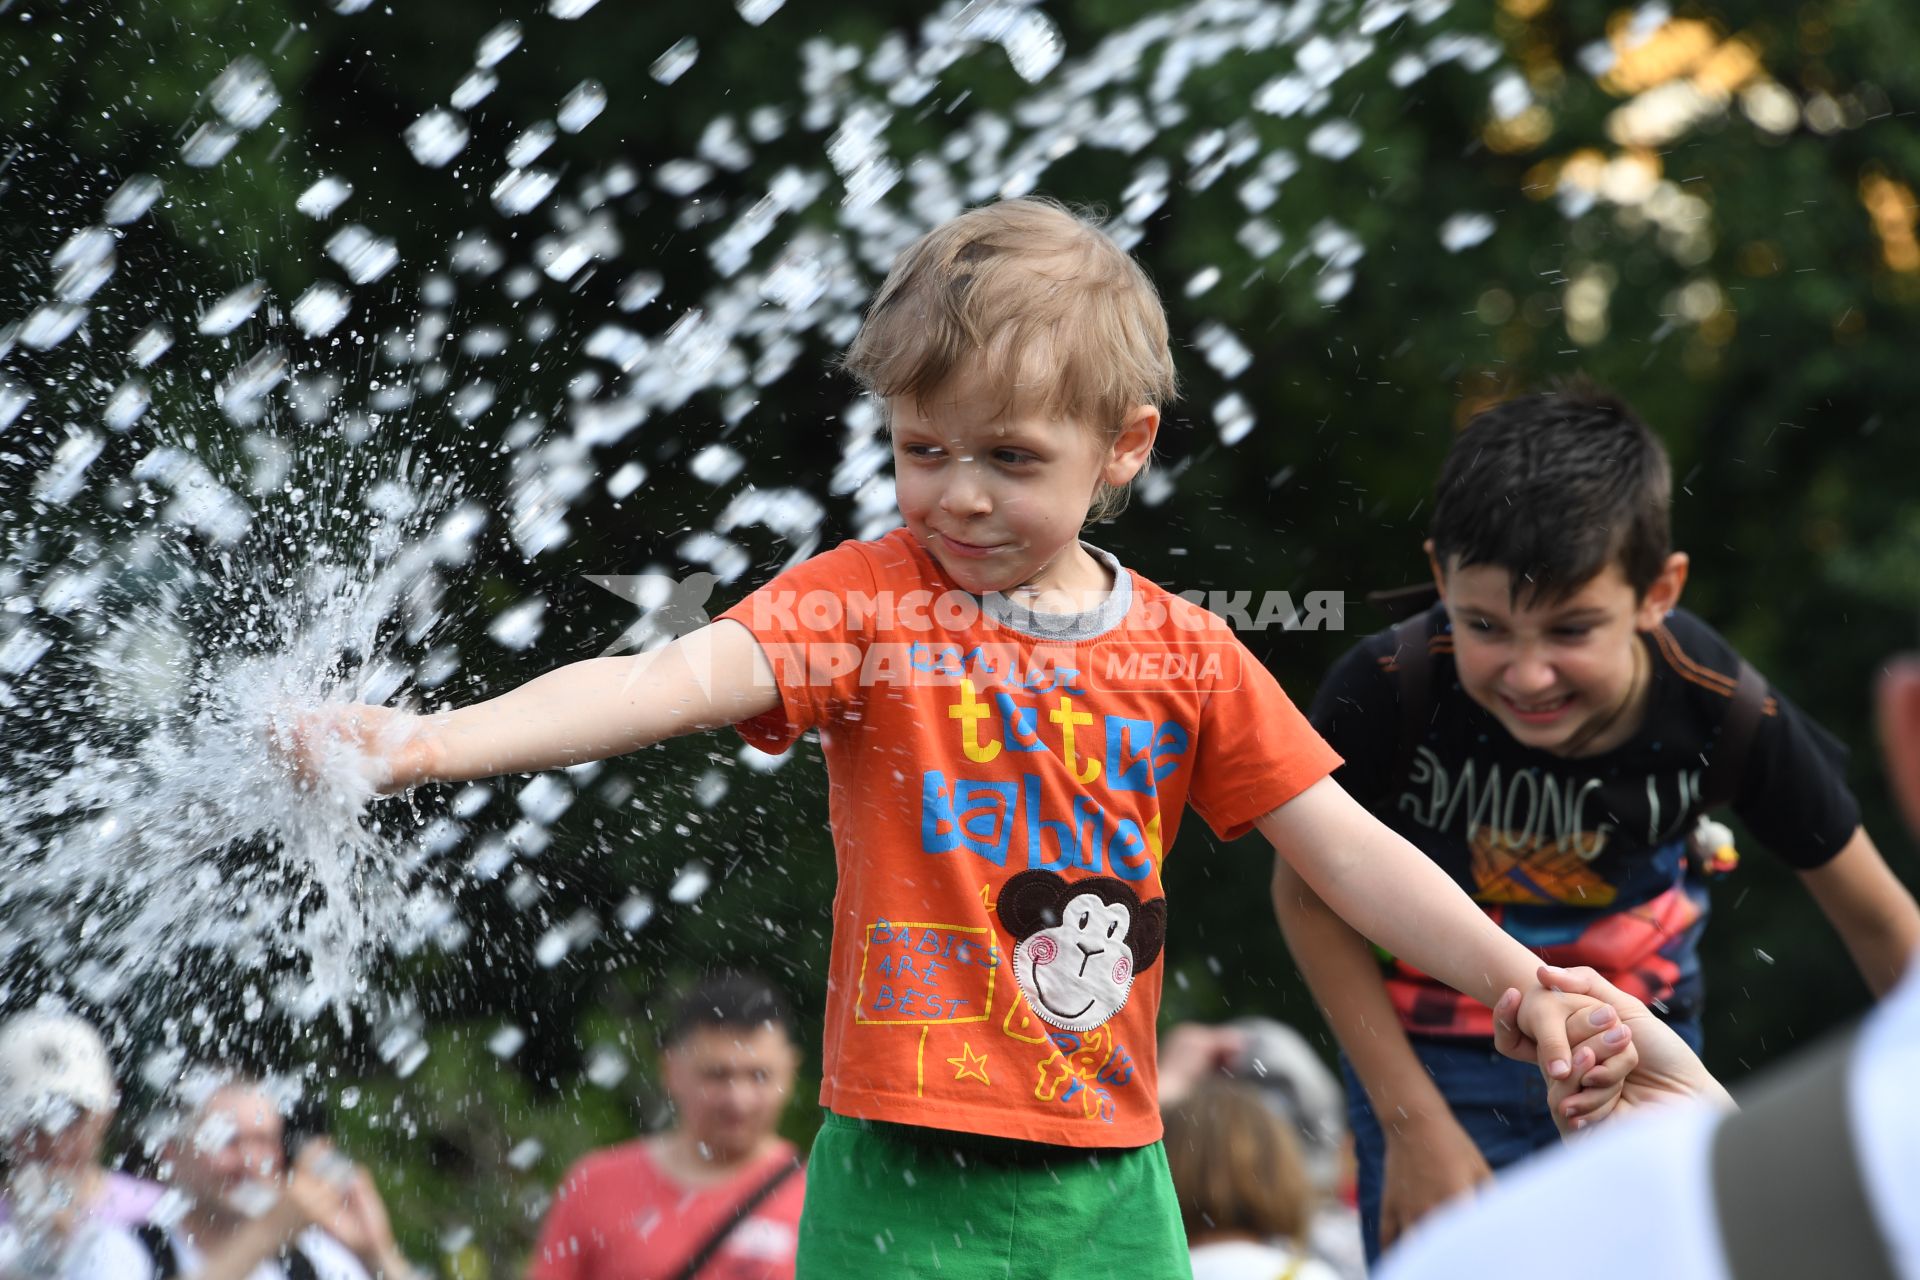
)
(1077, 945)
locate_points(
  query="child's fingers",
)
(1607, 1104)
(1506, 1030)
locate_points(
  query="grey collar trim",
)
(1069, 627)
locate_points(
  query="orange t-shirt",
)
(1003, 787)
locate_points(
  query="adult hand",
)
(363, 1225)
(1427, 1164)
(1666, 1071)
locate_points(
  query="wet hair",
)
(742, 1001)
(1553, 488)
(1036, 300)
(1236, 1165)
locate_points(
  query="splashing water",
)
(245, 534)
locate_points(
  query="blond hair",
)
(1034, 299)
(1236, 1166)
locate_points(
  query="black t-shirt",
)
(1583, 860)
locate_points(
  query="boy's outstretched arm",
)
(589, 710)
(1869, 907)
(1395, 895)
(1430, 1157)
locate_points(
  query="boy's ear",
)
(1663, 596)
(1433, 563)
(1133, 446)
(1898, 699)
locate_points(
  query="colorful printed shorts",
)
(901, 1202)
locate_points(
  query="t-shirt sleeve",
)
(1255, 753)
(815, 634)
(1793, 792)
(1357, 710)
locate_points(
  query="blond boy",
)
(1014, 725)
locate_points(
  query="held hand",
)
(1665, 1070)
(1426, 1165)
(386, 747)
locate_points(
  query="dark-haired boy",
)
(1551, 733)
(719, 1194)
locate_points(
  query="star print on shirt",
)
(971, 1066)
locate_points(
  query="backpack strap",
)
(1414, 663)
(700, 1257)
(153, 1238)
(1721, 783)
(1787, 1184)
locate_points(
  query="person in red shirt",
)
(717, 1196)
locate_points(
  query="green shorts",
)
(901, 1202)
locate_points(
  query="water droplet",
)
(758, 11)
(135, 196)
(1335, 139)
(1465, 230)
(519, 626)
(567, 10)
(51, 325)
(321, 308)
(84, 263)
(506, 1042)
(676, 61)
(243, 95)
(149, 345)
(532, 143)
(364, 256)
(520, 191)
(437, 137)
(323, 197)
(693, 881)
(527, 1152)
(473, 89)
(1234, 417)
(497, 44)
(234, 310)
(66, 475)
(209, 145)
(716, 464)
(14, 400)
(127, 405)
(623, 482)
(582, 106)
(605, 1067)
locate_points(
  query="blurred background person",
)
(718, 1195)
(250, 1213)
(1245, 1198)
(1296, 1084)
(57, 1103)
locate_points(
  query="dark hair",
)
(741, 1000)
(1552, 488)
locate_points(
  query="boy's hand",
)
(1428, 1163)
(1574, 1038)
(383, 746)
(1665, 1070)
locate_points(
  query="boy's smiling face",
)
(998, 494)
(1567, 676)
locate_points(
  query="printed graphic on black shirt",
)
(1584, 860)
